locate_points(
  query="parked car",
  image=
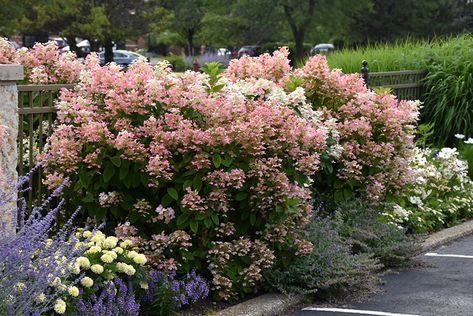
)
(322, 49)
(121, 57)
(14, 44)
(60, 42)
(250, 50)
(223, 52)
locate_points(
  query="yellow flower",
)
(19, 287)
(48, 242)
(40, 298)
(140, 259)
(56, 282)
(132, 254)
(87, 282)
(106, 258)
(60, 306)
(111, 254)
(118, 250)
(73, 291)
(129, 270)
(144, 285)
(98, 237)
(110, 242)
(121, 266)
(96, 268)
(87, 234)
(78, 245)
(94, 249)
(83, 262)
(74, 268)
(126, 243)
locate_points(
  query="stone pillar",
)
(9, 74)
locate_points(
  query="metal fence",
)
(405, 84)
(37, 114)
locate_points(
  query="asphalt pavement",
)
(443, 287)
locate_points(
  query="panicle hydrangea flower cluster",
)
(43, 63)
(265, 66)
(375, 130)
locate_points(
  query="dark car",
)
(121, 57)
(322, 49)
(251, 50)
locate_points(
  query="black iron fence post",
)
(365, 74)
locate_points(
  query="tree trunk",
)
(190, 42)
(108, 51)
(299, 39)
(71, 40)
(94, 45)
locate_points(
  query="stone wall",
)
(9, 74)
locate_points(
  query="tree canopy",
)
(232, 23)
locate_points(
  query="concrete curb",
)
(263, 305)
(277, 304)
(447, 235)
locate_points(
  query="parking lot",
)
(444, 286)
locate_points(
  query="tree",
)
(243, 22)
(102, 22)
(9, 22)
(304, 16)
(388, 20)
(187, 19)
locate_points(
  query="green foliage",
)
(178, 63)
(238, 23)
(362, 226)
(164, 302)
(466, 152)
(401, 55)
(449, 89)
(424, 133)
(388, 20)
(331, 268)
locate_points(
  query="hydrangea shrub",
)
(375, 131)
(43, 64)
(190, 160)
(216, 171)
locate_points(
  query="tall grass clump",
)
(448, 99)
(401, 55)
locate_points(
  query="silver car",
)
(121, 57)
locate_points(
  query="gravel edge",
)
(277, 304)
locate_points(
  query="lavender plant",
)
(33, 265)
(167, 295)
(115, 299)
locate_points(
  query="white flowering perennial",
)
(442, 192)
(103, 259)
